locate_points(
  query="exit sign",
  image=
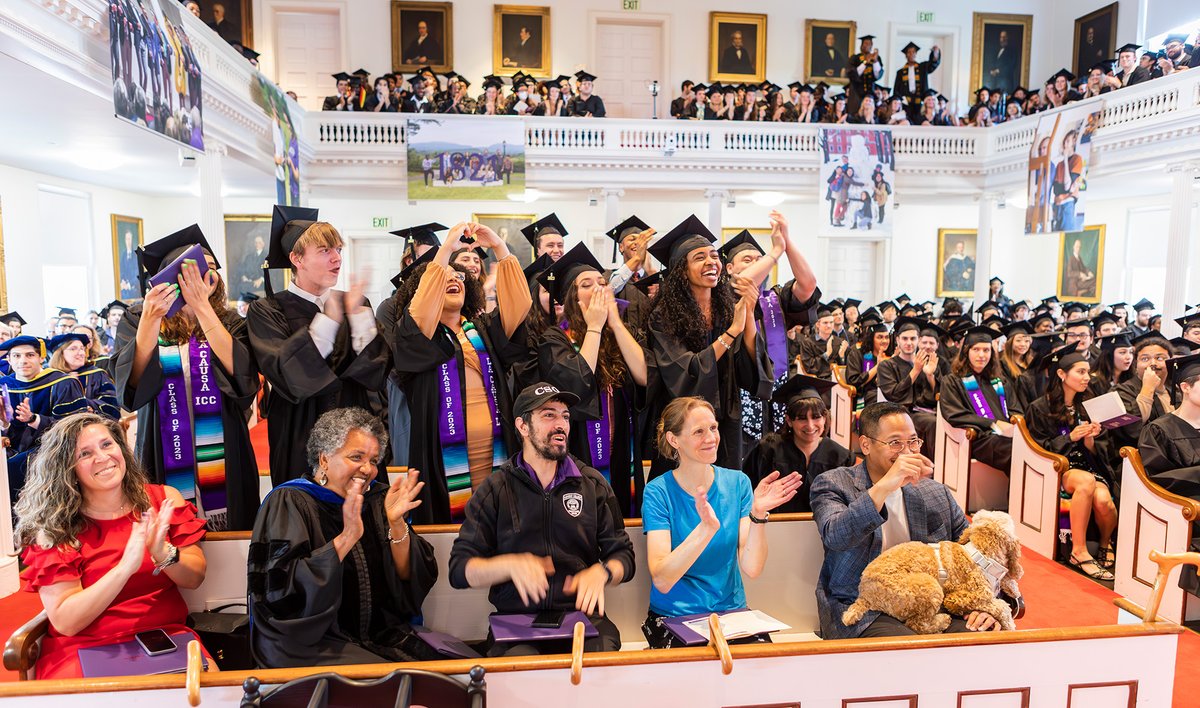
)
(631, 4)
(380, 222)
(924, 17)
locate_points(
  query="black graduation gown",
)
(1129, 434)
(100, 391)
(1170, 449)
(865, 386)
(238, 390)
(1048, 433)
(52, 395)
(1029, 387)
(418, 359)
(812, 356)
(560, 363)
(580, 106)
(310, 608)
(778, 451)
(987, 447)
(303, 384)
(894, 381)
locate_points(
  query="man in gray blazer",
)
(862, 510)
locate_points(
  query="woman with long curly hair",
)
(451, 359)
(106, 550)
(1059, 422)
(594, 356)
(190, 377)
(702, 336)
(864, 358)
(975, 395)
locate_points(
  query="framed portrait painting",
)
(233, 20)
(521, 40)
(829, 46)
(956, 262)
(1095, 38)
(763, 238)
(127, 237)
(422, 35)
(737, 47)
(247, 238)
(1000, 51)
(1081, 265)
(508, 228)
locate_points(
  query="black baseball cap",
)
(537, 395)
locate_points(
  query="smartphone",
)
(549, 619)
(155, 642)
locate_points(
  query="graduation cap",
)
(929, 329)
(1064, 357)
(114, 305)
(541, 263)
(689, 235)
(1172, 38)
(1179, 368)
(871, 323)
(518, 77)
(796, 85)
(27, 340)
(644, 284)
(981, 89)
(152, 256)
(906, 323)
(978, 334)
(1038, 318)
(1183, 345)
(582, 75)
(1121, 304)
(361, 72)
(407, 272)
(951, 303)
(800, 387)
(67, 312)
(288, 224)
(866, 37)
(903, 298)
(632, 225)
(561, 78)
(910, 45)
(913, 310)
(1105, 317)
(825, 309)
(423, 235)
(1074, 307)
(996, 322)
(250, 53)
(742, 242)
(1143, 305)
(1105, 66)
(64, 339)
(1114, 341)
(700, 87)
(462, 80)
(1065, 73)
(1188, 321)
(1014, 328)
(852, 302)
(1148, 336)
(491, 81)
(341, 76)
(548, 224)
(8, 317)
(989, 305)
(881, 307)
(559, 276)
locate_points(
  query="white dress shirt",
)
(324, 329)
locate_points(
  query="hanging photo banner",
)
(156, 76)
(285, 143)
(465, 159)
(1058, 164)
(857, 180)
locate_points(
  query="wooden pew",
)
(1152, 519)
(842, 418)
(1034, 483)
(973, 484)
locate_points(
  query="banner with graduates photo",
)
(285, 142)
(856, 181)
(1059, 158)
(450, 158)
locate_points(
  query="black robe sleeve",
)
(289, 360)
(1172, 464)
(797, 312)
(559, 363)
(956, 409)
(855, 376)
(1046, 431)
(895, 383)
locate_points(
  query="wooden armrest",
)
(717, 641)
(22, 648)
(1189, 507)
(839, 375)
(1061, 465)
(1166, 563)
(403, 469)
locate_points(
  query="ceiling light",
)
(528, 196)
(768, 199)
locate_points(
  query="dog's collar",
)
(994, 571)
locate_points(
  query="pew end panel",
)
(842, 417)
(1152, 519)
(973, 484)
(1033, 493)
(22, 649)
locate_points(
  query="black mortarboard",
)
(994, 321)
(716, 87)
(1114, 341)
(871, 323)
(689, 235)
(67, 312)
(644, 284)
(1143, 304)
(250, 53)
(910, 45)
(1012, 328)
(341, 76)
(929, 329)
(422, 235)
(1148, 335)
(852, 302)
(288, 224)
(978, 335)
(561, 78)
(490, 81)
(1182, 367)
(1130, 47)
(632, 225)
(1105, 66)
(1065, 73)
(14, 315)
(1065, 357)
(463, 80)
(1183, 346)
(824, 309)
(1115, 305)
(952, 303)
(1050, 300)
(361, 72)
(904, 324)
(740, 243)
(407, 272)
(1181, 38)
(1105, 317)
(1188, 320)
(538, 265)
(912, 309)
(584, 76)
(117, 304)
(1073, 307)
(866, 36)
(800, 387)
(154, 255)
(885, 305)
(559, 276)
(62, 339)
(546, 224)
(981, 89)
(700, 87)
(989, 305)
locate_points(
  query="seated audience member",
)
(37, 398)
(1170, 444)
(973, 396)
(586, 104)
(800, 444)
(1145, 394)
(1059, 422)
(863, 359)
(911, 377)
(336, 574)
(106, 550)
(862, 511)
(704, 526)
(1017, 355)
(821, 349)
(1115, 364)
(69, 354)
(544, 501)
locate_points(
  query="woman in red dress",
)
(106, 551)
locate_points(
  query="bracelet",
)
(722, 343)
(596, 331)
(403, 538)
(206, 331)
(171, 559)
(608, 572)
(755, 520)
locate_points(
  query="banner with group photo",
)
(285, 142)
(857, 180)
(1058, 164)
(465, 159)
(156, 76)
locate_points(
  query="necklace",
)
(116, 514)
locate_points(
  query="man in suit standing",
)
(828, 60)
(424, 49)
(736, 58)
(1001, 65)
(863, 510)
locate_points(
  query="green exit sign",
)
(380, 222)
(924, 17)
(631, 4)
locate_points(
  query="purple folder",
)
(170, 274)
(686, 634)
(446, 644)
(1120, 421)
(129, 659)
(518, 628)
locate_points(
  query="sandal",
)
(1099, 574)
(1108, 557)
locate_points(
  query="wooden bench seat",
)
(973, 484)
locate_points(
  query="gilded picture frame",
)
(508, 228)
(737, 47)
(956, 267)
(1081, 276)
(999, 70)
(828, 65)
(439, 21)
(127, 237)
(511, 50)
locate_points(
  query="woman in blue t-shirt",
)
(697, 518)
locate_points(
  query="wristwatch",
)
(171, 559)
(607, 572)
(755, 520)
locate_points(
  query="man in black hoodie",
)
(541, 532)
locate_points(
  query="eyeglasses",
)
(459, 276)
(913, 444)
(1160, 358)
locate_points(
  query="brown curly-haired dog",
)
(903, 580)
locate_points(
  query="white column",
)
(612, 216)
(983, 247)
(212, 210)
(716, 200)
(1179, 227)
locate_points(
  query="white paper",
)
(1104, 408)
(739, 624)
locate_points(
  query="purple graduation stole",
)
(600, 437)
(868, 361)
(774, 330)
(979, 402)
